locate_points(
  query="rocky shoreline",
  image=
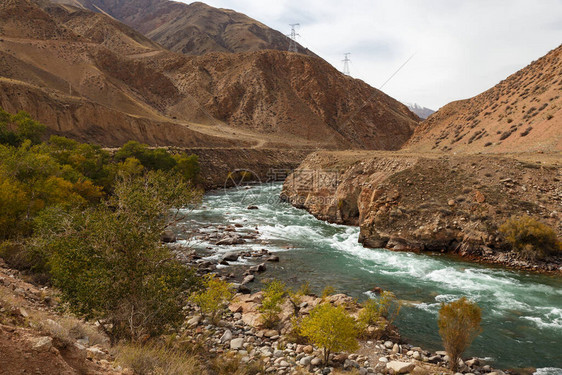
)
(240, 331)
(451, 204)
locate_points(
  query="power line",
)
(346, 62)
(293, 46)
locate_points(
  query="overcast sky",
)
(461, 47)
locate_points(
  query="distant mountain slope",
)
(192, 29)
(419, 110)
(521, 113)
(87, 75)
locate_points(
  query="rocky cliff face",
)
(521, 113)
(443, 203)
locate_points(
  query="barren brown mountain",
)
(521, 113)
(87, 75)
(192, 29)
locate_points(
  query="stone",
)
(252, 207)
(226, 336)
(248, 279)
(305, 361)
(316, 361)
(258, 268)
(349, 364)
(231, 256)
(283, 364)
(395, 348)
(194, 322)
(400, 367)
(472, 362)
(278, 353)
(43, 344)
(434, 359)
(308, 349)
(383, 359)
(416, 355)
(388, 344)
(270, 333)
(273, 258)
(94, 352)
(237, 344)
(169, 236)
(231, 241)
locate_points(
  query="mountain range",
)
(89, 76)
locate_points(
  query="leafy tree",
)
(13, 206)
(530, 238)
(152, 159)
(108, 260)
(28, 128)
(330, 328)
(187, 166)
(273, 295)
(215, 297)
(459, 325)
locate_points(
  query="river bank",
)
(521, 315)
(435, 203)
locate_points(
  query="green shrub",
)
(273, 296)
(214, 299)
(328, 291)
(330, 328)
(530, 238)
(459, 325)
(380, 312)
(108, 260)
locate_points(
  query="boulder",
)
(226, 336)
(169, 236)
(231, 256)
(237, 344)
(273, 258)
(43, 344)
(400, 367)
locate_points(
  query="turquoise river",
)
(522, 312)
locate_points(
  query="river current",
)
(522, 312)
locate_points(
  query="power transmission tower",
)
(293, 47)
(346, 62)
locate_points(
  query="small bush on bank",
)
(459, 325)
(215, 297)
(530, 238)
(273, 296)
(380, 312)
(330, 328)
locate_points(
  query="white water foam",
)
(548, 371)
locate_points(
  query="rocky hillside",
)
(521, 113)
(441, 203)
(88, 76)
(192, 29)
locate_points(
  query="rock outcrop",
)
(442, 203)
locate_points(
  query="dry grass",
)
(148, 360)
